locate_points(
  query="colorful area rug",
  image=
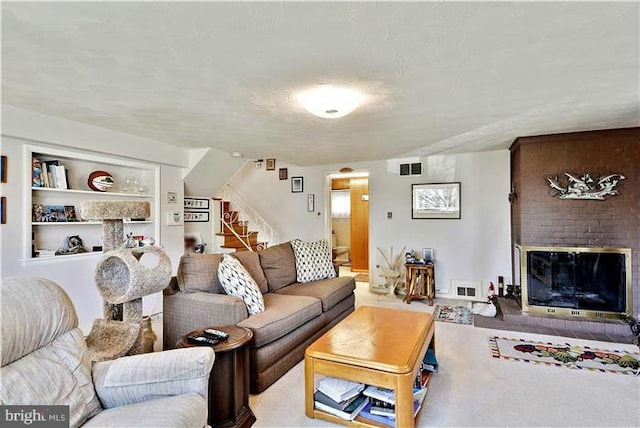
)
(565, 355)
(361, 277)
(454, 314)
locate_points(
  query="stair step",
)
(234, 241)
(243, 248)
(240, 229)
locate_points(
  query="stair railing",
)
(246, 216)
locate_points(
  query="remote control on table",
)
(216, 334)
(200, 340)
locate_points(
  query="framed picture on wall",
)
(435, 201)
(271, 164)
(297, 184)
(283, 173)
(196, 217)
(196, 203)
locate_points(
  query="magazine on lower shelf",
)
(388, 421)
(349, 413)
(339, 389)
(384, 394)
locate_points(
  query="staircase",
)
(241, 227)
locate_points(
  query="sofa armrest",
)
(138, 378)
(185, 312)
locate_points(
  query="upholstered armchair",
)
(45, 361)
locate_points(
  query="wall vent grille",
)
(470, 290)
(410, 169)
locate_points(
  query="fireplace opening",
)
(591, 282)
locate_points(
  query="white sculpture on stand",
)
(392, 274)
(122, 280)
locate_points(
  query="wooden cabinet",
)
(53, 209)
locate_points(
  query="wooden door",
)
(360, 224)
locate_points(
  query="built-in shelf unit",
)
(51, 235)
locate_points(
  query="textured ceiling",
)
(439, 77)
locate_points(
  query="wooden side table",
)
(229, 379)
(420, 282)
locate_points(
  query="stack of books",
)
(49, 174)
(382, 402)
(339, 397)
(382, 405)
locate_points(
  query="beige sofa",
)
(295, 314)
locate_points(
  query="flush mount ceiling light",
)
(330, 102)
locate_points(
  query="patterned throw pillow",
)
(236, 281)
(313, 260)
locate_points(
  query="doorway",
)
(349, 220)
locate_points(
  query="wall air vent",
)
(410, 169)
(470, 290)
(405, 167)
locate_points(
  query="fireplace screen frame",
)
(571, 312)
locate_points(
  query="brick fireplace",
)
(538, 218)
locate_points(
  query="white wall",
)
(476, 247)
(273, 200)
(22, 127)
(210, 171)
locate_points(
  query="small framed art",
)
(297, 184)
(196, 204)
(283, 173)
(196, 217)
(271, 164)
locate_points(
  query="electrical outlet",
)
(174, 218)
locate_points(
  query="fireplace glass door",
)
(577, 280)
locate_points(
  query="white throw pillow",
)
(313, 260)
(236, 281)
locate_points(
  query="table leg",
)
(431, 287)
(309, 384)
(404, 400)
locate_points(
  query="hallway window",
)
(340, 203)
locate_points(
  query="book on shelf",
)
(36, 173)
(389, 421)
(430, 362)
(350, 412)
(339, 389)
(384, 394)
(49, 172)
(61, 177)
(325, 399)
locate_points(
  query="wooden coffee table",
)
(229, 379)
(374, 346)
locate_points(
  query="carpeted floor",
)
(362, 277)
(565, 355)
(473, 389)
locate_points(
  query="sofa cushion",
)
(199, 272)
(282, 315)
(236, 281)
(329, 291)
(251, 262)
(279, 265)
(313, 260)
